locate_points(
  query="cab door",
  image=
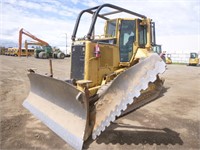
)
(127, 39)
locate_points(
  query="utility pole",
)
(66, 43)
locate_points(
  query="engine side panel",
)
(77, 62)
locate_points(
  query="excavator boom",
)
(21, 32)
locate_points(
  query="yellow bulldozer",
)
(111, 75)
(193, 60)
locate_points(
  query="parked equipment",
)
(111, 75)
(193, 60)
(3, 50)
(27, 43)
(158, 49)
(44, 52)
(24, 52)
(168, 59)
(9, 51)
(14, 51)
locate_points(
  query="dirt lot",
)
(170, 122)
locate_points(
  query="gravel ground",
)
(170, 122)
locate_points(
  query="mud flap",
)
(124, 89)
(60, 106)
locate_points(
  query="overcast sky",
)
(177, 21)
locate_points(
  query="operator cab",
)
(193, 55)
(125, 31)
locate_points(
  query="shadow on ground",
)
(128, 134)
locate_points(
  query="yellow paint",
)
(102, 69)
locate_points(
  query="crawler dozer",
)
(111, 75)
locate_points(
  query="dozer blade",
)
(60, 106)
(124, 90)
(152, 92)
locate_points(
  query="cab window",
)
(126, 39)
(142, 34)
(111, 28)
